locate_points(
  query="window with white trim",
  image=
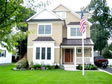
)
(75, 32)
(37, 53)
(79, 51)
(44, 29)
(2, 53)
(48, 53)
(61, 14)
(43, 53)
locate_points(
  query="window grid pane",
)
(78, 32)
(43, 53)
(41, 29)
(73, 31)
(47, 29)
(48, 53)
(37, 53)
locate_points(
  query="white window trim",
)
(79, 52)
(69, 32)
(46, 45)
(41, 53)
(44, 34)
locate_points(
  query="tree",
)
(107, 51)
(101, 19)
(99, 36)
(11, 12)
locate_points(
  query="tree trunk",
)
(100, 52)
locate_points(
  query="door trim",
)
(70, 56)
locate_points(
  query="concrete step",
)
(69, 67)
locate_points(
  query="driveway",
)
(107, 69)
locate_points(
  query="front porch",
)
(71, 56)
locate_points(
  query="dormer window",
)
(61, 14)
(44, 29)
(73, 32)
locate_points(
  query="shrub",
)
(50, 67)
(56, 67)
(37, 66)
(22, 63)
(87, 67)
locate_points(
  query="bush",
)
(87, 67)
(37, 66)
(56, 67)
(45, 67)
(22, 63)
(50, 67)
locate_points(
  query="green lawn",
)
(7, 76)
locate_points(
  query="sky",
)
(74, 5)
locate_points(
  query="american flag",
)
(82, 23)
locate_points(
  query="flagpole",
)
(82, 30)
(83, 54)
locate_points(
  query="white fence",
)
(110, 61)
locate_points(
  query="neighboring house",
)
(5, 56)
(55, 38)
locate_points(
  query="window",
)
(48, 53)
(44, 29)
(79, 51)
(37, 53)
(43, 53)
(3, 53)
(75, 32)
(61, 14)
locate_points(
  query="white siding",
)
(7, 59)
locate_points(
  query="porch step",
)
(69, 67)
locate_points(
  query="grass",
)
(8, 76)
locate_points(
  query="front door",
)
(68, 56)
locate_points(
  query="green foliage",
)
(21, 63)
(102, 23)
(11, 12)
(107, 51)
(99, 37)
(47, 67)
(50, 67)
(87, 67)
(37, 66)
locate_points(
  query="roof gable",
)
(44, 14)
(60, 8)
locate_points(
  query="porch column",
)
(75, 57)
(92, 54)
(61, 56)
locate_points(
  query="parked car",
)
(100, 61)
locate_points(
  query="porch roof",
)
(43, 39)
(77, 42)
(74, 23)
